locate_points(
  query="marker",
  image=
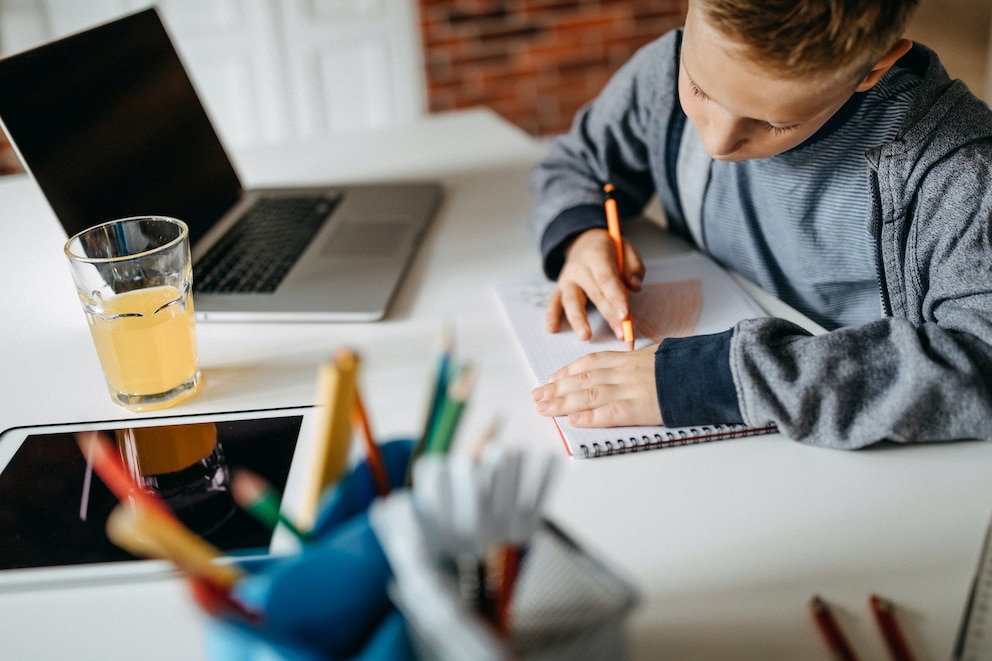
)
(613, 227)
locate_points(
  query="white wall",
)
(269, 71)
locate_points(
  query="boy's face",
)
(740, 109)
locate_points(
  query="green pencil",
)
(451, 411)
(257, 497)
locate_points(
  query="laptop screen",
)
(110, 126)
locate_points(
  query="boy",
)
(809, 147)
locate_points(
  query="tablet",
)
(54, 508)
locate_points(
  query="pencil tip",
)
(246, 487)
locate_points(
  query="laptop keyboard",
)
(259, 250)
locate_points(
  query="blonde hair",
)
(802, 37)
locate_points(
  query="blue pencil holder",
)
(330, 600)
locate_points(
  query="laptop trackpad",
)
(366, 239)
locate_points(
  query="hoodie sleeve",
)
(924, 373)
(613, 139)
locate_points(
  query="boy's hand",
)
(604, 389)
(590, 276)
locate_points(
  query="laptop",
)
(109, 125)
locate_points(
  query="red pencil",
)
(830, 630)
(885, 616)
(96, 447)
(510, 560)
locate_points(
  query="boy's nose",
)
(723, 136)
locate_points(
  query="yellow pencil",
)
(613, 227)
(335, 403)
(138, 530)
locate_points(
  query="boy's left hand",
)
(603, 389)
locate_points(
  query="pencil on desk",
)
(885, 616)
(613, 227)
(830, 630)
(335, 399)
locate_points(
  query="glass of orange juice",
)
(134, 278)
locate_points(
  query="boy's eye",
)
(779, 130)
(697, 92)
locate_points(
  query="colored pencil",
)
(885, 615)
(613, 227)
(137, 530)
(257, 497)
(377, 466)
(335, 399)
(451, 411)
(830, 630)
(439, 384)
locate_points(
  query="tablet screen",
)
(54, 508)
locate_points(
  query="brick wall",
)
(533, 61)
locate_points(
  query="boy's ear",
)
(884, 64)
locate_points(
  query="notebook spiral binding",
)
(682, 436)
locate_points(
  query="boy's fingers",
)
(553, 311)
(573, 303)
(633, 267)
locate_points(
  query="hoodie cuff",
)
(559, 234)
(694, 383)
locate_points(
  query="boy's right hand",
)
(590, 276)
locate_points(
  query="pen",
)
(885, 616)
(613, 227)
(831, 632)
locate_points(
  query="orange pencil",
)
(376, 465)
(613, 227)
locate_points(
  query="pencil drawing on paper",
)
(660, 309)
(668, 309)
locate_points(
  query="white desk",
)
(725, 541)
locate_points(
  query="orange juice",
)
(159, 450)
(146, 340)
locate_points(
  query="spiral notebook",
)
(683, 295)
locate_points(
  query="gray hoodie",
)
(921, 373)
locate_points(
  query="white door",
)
(268, 71)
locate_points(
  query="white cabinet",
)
(269, 71)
